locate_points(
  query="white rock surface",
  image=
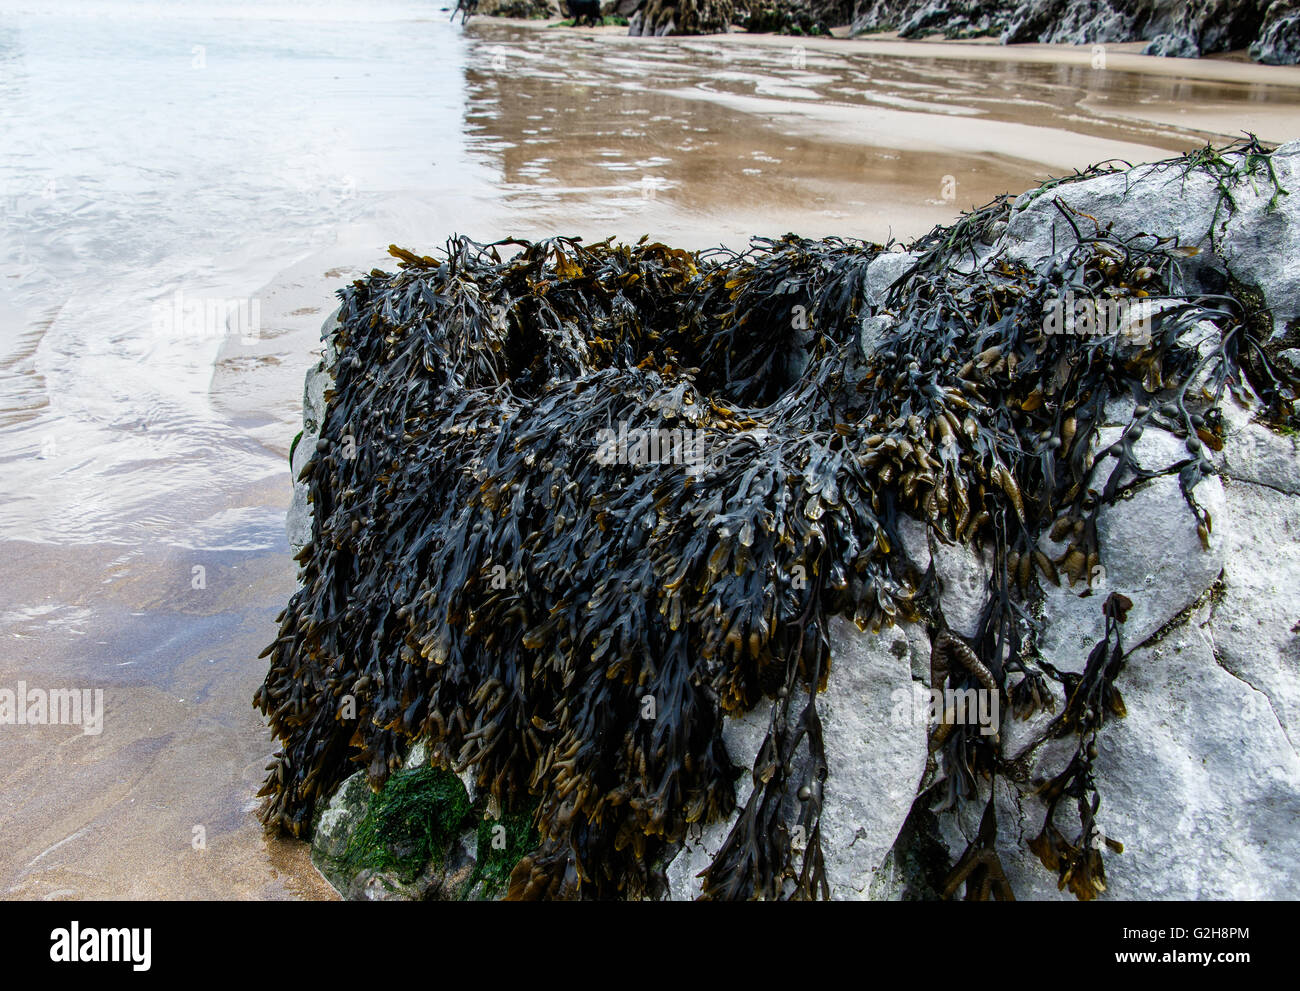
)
(318, 380)
(885, 269)
(1199, 783)
(875, 764)
(1149, 552)
(963, 570)
(1256, 617)
(1246, 241)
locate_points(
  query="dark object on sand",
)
(468, 7)
(585, 10)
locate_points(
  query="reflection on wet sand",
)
(774, 133)
(159, 804)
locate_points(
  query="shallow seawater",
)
(182, 188)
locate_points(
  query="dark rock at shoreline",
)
(1174, 27)
(797, 16)
(523, 9)
(656, 18)
(1172, 46)
(923, 18)
(1279, 38)
(1209, 25)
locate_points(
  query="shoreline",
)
(1233, 66)
(1205, 117)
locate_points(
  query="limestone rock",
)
(347, 806)
(1070, 22)
(885, 269)
(656, 18)
(963, 571)
(875, 763)
(1254, 453)
(1279, 36)
(1255, 625)
(1199, 783)
(1257, 242)
(1172, 46)
(1174, 27)
(919, 18)
(1160, 583)
(318, 380)
(446, 877)
(525, 9)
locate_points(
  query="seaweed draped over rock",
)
(573, 504)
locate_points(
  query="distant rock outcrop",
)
(798, 17)
(655, 18)
(921, 18)
(1271, 31)
(1279, 37)
(524, 9)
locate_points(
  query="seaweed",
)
(409, 822)
(1241, 161)
(1091, 697)
(572, 627)
(979, 868)
(499, 850)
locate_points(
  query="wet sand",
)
(160, 804)
(697, 142)
(763, 134)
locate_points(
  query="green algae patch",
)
(502, 843)
(410, 823)
(414, 837)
